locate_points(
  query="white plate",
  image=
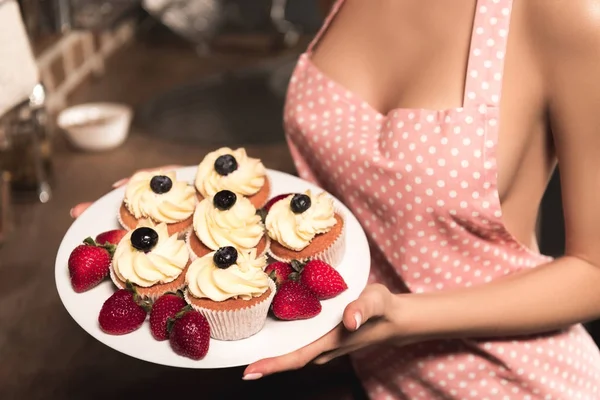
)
(276, 338)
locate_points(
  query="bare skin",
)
(399, 53)
(417, 59)
(395, 54)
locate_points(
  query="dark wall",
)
(552, 237)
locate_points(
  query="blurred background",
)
(92, 90)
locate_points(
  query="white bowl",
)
(96, 126)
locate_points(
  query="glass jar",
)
(25, 148)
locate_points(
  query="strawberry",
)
(89, 264)
(189, 334)
(322, 279)
(274, 200)
(279, 271)
(123, 312)
(295, 301)
(165, 307)
(112, 237)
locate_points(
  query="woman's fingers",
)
(296, 359)
(372, 302)
(79, 209)
(374, 331)
(367, 311)
(120, 183)
(123, 181)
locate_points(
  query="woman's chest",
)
(399, 104)
(410, 156)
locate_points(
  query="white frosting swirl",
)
(296, 231)
(176, 205)
(244, 280)
(239, 226)
(246, 180)
(162, 264)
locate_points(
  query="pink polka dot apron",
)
(423, 184)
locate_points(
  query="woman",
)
(439, 127)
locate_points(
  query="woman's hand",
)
(81, 207)
(372, 318)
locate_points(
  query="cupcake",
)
(150, 259)
(233, 170)
(232, 291)
(226, 219)
(160, 198)
(306, 226)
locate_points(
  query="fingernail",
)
(71, 213)
(358, 320)
(252, 377)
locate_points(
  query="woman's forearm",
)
(546, 298)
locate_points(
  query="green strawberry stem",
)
(294, 276)
(297, 266)
(181, 313)
(273, 275)
(107, 246)
(143, 302)
(90, 241)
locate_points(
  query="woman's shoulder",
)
(559, 27)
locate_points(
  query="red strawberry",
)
(295, 301)
(165, 307)
(89, 264)
(324, 281)
(279, 271)
(274, 200)
(123, 312)
(189, 334)
(112, 237)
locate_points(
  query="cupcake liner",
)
(193, 255)
(265, 252)
(114, 279)
(332, 255)
(236, 324)
(183, 233)
(120, 220)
